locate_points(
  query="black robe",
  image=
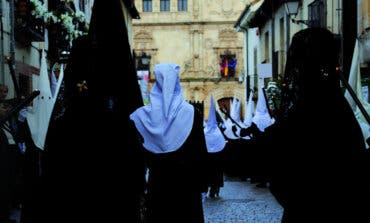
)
(215, 171)
(6, 176)
(317, 174)
(95, 172)
(176, 180)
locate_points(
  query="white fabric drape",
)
(39, 114)
(354, 81)
(166, 122)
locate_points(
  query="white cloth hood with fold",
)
(215, 140)
(166, 122)
(262, 117)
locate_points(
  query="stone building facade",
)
(198, 35)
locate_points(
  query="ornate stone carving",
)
(227, 35)
(208, 43)
(143, 40)
(143, 36)
(188, 65)
(227, 8)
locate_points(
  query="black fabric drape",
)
(317, 172)
(95, 170)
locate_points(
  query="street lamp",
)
(64, 56)
(145, 59)
(291, 8)
(144, 62)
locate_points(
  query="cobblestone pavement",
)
(242, 202)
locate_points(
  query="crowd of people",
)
(309, 150)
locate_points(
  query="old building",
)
(199, 36)
(269, 26)
(28, 27)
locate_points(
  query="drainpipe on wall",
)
(246, 68)
(2, 67)
(287, 40)
(12, 40)
(349, 32)
(340, 30)
(275, 76)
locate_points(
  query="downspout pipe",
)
(246, 60)
(12, 35)
(2, 67)
(246, 68)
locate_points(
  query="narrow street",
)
(242, 202)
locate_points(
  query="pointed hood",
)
(249, 111)
(262, 117)
(215, 140)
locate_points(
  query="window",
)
(317, 14)
(81, 5)
(182, 5)
(228, 63)
(267, 47)
(165, 5)
(25, 83)
(147, 5)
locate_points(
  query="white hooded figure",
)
(164, 122)
(249, 112)
(215, 140)
(38, 116)
(235, 115)
(231, 129)
(174, 148)
(262, 117)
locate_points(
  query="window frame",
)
(147, 6)
(165, 5)
(182, 5)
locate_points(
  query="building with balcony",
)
(26, 31)
(199, 36)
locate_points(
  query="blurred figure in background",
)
(215, 142)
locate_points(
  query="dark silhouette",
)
(94, 170)
(318, 173)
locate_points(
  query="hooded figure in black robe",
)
(215, 142)
(318, 175)
(171, 132)
(94, 170)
